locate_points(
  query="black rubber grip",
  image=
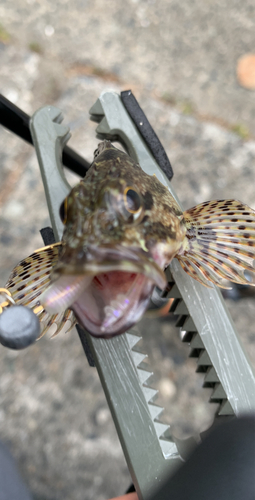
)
(85, 345)
(47, 236)
(147, 132)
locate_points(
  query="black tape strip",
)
(47, 236)
(147, 132)
(48, 239)
(85, 345)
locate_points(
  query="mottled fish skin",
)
(122, 228)
(96, 214)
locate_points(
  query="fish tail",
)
(30, 278)
(219, 245)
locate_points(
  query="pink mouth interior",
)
(113, 302)
(114, 280)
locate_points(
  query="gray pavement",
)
(180, 61)
(186, 51)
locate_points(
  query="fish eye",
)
(132, 200)
(63, 211)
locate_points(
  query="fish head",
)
(122, 228)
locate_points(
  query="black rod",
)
(15, 120)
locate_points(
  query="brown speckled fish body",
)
(122, 227)
(97, 216)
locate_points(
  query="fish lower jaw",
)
(103, 316)
(115, 310)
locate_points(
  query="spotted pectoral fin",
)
(30, 278)
(219, 243)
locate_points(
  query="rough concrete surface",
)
(180, 60)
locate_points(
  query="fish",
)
(122, 228)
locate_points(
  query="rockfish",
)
(122, 228)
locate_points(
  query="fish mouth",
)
(108, 290)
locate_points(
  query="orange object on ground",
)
(129, 496)
(246, 71)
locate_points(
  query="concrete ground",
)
(180, 61)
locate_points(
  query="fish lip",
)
(98, 260)
(96, 331)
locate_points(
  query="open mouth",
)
(113, 302)
(107, 297)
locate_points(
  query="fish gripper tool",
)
(151, 451)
